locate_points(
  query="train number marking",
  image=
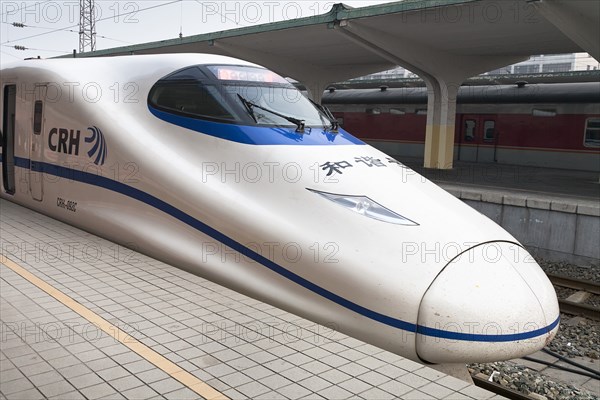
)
(66, 204)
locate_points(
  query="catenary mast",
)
(87, 26)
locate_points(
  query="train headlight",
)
(366, 206)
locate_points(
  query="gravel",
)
(527, 381)
(589, 272)
(577, 337)
(594, 300)
(563, 293)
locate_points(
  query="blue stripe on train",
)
(161, 205)
(259, 135)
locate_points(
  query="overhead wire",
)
(21, 48)
(67, 30)
(99, 20)
(11, 55)
(22, 25)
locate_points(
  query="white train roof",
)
(123, 68)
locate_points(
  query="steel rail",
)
(572, 283)
(482, 381)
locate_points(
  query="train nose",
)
(492, 302)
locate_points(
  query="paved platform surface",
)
(187, 326)
(538, 181)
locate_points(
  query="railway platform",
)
(574, 186)
(555, 213)
(83, 318)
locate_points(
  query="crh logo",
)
(64, 141)
(67, 141)
(99, 145)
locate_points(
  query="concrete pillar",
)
(443, 74)
(432, 128)
(315, 89)
(441, 116)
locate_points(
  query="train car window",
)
(374, 111)
(397, 111)
(488, 130)
(469, 133)
(234, 94)
(592, 132)
(8, 140)
(421, 111)
(543, 113)
(37, 117)
(192, 99)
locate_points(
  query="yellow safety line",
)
(144, 351)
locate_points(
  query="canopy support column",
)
(439, 132)
(442, 72)
(315, 90)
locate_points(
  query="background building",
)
(543, 63)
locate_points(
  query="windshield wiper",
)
(300, 124)
(248, 107)
(334, 127)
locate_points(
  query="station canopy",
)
(342, 43)
(444, 42)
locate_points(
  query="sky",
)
(51, 26)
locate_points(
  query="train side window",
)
(592, 133)
(489, 130)
(397, 111)
(374, 111)
(537, 112)
(37, 117)
(469, 133)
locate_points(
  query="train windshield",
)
(236, 94)
(268, 98)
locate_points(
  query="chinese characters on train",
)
(338, 167)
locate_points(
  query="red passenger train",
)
(551, 125)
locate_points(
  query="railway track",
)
(483, 382)
(570, 305)
(572, 283)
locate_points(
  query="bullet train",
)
(224, 169)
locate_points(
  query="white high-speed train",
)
(223, 168)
